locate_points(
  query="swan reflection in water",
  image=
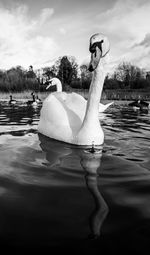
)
(90, 162)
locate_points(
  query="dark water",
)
(59, 196)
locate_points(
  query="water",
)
(57, 195)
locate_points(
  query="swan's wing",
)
(57, 120)
(77, 104)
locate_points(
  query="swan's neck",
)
(91, 131)
(58, 87)
(95, 93)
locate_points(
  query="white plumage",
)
(56, 82)
(69, 117)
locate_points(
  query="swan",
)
(12, 101)
(56, 82)
(69, 117)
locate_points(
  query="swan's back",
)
(76, 103)
(62, 115)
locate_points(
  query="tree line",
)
(126, 76)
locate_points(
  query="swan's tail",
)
(109, 104)
(102, 108)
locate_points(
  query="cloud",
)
(125, 22)
(45, 15)
(34, 41)
(62, 31)
(127, 25)
(145, 42)
(21, 42)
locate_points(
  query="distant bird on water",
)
(38, 100)
(12, 101)
(139, 105)
(33, 101)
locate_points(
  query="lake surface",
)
(59, 196)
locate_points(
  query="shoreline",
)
(115, 95)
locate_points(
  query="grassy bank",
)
(127, 95)
(22, 95)
(119, 94)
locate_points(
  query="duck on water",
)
(32, 102)
(12, 101)
(140, 105)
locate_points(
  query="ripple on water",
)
(63, 186)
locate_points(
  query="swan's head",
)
(55, 82)
(51, 82)
(99, 47)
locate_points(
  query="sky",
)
(35, 32)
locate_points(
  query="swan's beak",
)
(95, 59)
(49, 83)
(48, 86)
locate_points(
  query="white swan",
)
(56, 82)
(69, 117)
